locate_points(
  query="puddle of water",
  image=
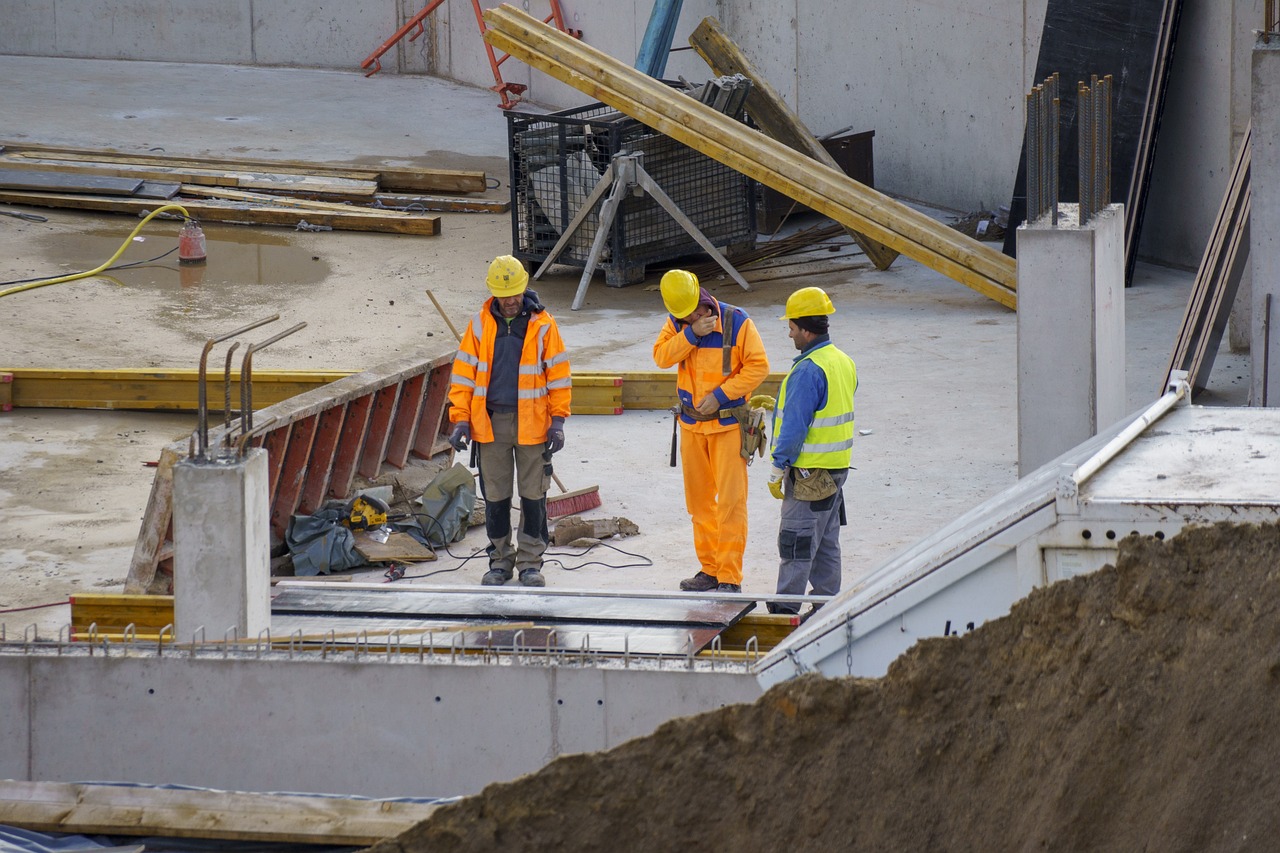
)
(238, 257)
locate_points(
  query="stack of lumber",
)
(313, 196)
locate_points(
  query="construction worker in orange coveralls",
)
(698, 335)
(510, 394)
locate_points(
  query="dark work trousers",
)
(809, 544)
(504, 466)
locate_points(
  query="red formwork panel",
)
(350, 442)
(292, 472)
(324, 447)
(275, 443)
(404, 427)
(379, 432)
(427, 440)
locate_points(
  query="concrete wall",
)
(941, 83)
(371, 728)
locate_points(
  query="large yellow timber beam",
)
(140, 389)
(769, 161)
(772, 115)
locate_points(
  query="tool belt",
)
(750, 428)
(812, 484)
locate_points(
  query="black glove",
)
(460, 435)
(555, 435)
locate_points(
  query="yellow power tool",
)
(365, 512)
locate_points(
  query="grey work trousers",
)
(809, 544)
(505, 465)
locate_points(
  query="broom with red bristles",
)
(567, 503)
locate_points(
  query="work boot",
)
(495, 577)
(729, 587)
(532, 577)
(701, 582)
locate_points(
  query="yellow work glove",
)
(775, 481)
(762, 401)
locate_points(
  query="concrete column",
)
(1264, 222)
(1071, 350)
(222, 546)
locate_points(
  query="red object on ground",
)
(191, 248)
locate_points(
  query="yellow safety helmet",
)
(680, 293)
(808, 302)
(507, 277)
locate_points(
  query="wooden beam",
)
(259, 181)
(767, 108)
(353, 220)
(176, 390)
(187, 813)
(112, 613)
(702, 128)
(390, 178)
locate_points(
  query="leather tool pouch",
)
(813, 484)
(752, 434)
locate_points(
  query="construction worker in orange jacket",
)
(722, 360)
(510, 394)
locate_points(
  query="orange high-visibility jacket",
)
(545, 386)
(701, 363)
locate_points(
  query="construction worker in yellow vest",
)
(722, 360)
(811, 450)
(510, 394)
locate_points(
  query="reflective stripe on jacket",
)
(701, 363)
(544, 386)
(828, 443)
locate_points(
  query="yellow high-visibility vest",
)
(829, 441)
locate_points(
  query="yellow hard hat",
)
(507, 277)
(680, 293)
(808, 302)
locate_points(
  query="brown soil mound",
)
(1131, 709)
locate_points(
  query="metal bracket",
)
(626, 175)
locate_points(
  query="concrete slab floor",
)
(937, 395)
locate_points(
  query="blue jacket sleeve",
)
(806, 394)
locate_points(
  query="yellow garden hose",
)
(34, 284)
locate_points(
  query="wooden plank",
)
(405, 425)
(354, 429)
(211, 211)
(155, 525)
(428, 440)
(771, 113)
(700, 127)
(446, 204)
(47, 181)
(193, 813)
(323, 449)
(396, 178)
(261, 181)
(144, 389)
(293, 470)
(379, 432)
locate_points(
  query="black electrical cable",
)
(116, 267)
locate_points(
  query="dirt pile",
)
(1131, 709)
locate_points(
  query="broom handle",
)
(454, 329)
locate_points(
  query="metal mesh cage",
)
(557, 160)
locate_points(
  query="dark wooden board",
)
(68, 183)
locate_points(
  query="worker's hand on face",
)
(775, 481)
(555, 435)
(704, 326)
(460, 435)
(709, 405)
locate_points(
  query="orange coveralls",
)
(715, 472)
